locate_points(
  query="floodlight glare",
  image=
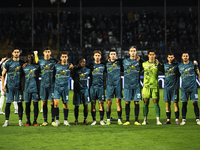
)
(59, 1)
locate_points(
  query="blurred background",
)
(82, 26)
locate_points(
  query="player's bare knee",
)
(136, 102)
(109, 102)
(128, 102)
(44, 102)
(155, 101)
(65, 105)
(51, 102)
(194, 102)
(101, 106)
(146, 100)
(175, 104)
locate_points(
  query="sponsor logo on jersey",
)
(170, 70)
(47, 67)
(186, 71)
(132, 67)
(17, 69)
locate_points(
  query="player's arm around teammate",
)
(113, 88)
(171, 88)
(13, 88)
(97, 86)
(150, 85)
(31, 91)
(188, 73)
(47, 83)
(61, 89)
(81, 93)
(132, 66)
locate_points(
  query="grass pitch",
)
(151, 136)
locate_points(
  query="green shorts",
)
(150, 93)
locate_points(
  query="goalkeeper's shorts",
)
(150, 93)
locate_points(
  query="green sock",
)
(146, 109)
(157, 109)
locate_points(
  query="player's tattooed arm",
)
(3, 80)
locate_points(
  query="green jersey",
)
(151, 74)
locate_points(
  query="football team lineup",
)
(56, 74)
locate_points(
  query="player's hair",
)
(170, 54)
(185, 52)
(132, 47)
(9, 55)
(79, 61)
(112, 50)
(47, 48)
(64, 53)
(30, 54)
(151, 50)
(15, 49)
(97, 51)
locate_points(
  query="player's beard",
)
(16, 57)
(133, 56)
(64, 61)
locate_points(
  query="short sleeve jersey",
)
(47, 74)
(113, 69)
(14, 74)
(62, 77)
(131, 73)
(31, 78)
(151, 74)
(188, 76)
(80, 78)
(97, 73)
(2, 67)
(171, 76)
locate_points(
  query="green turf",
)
(151, 136)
